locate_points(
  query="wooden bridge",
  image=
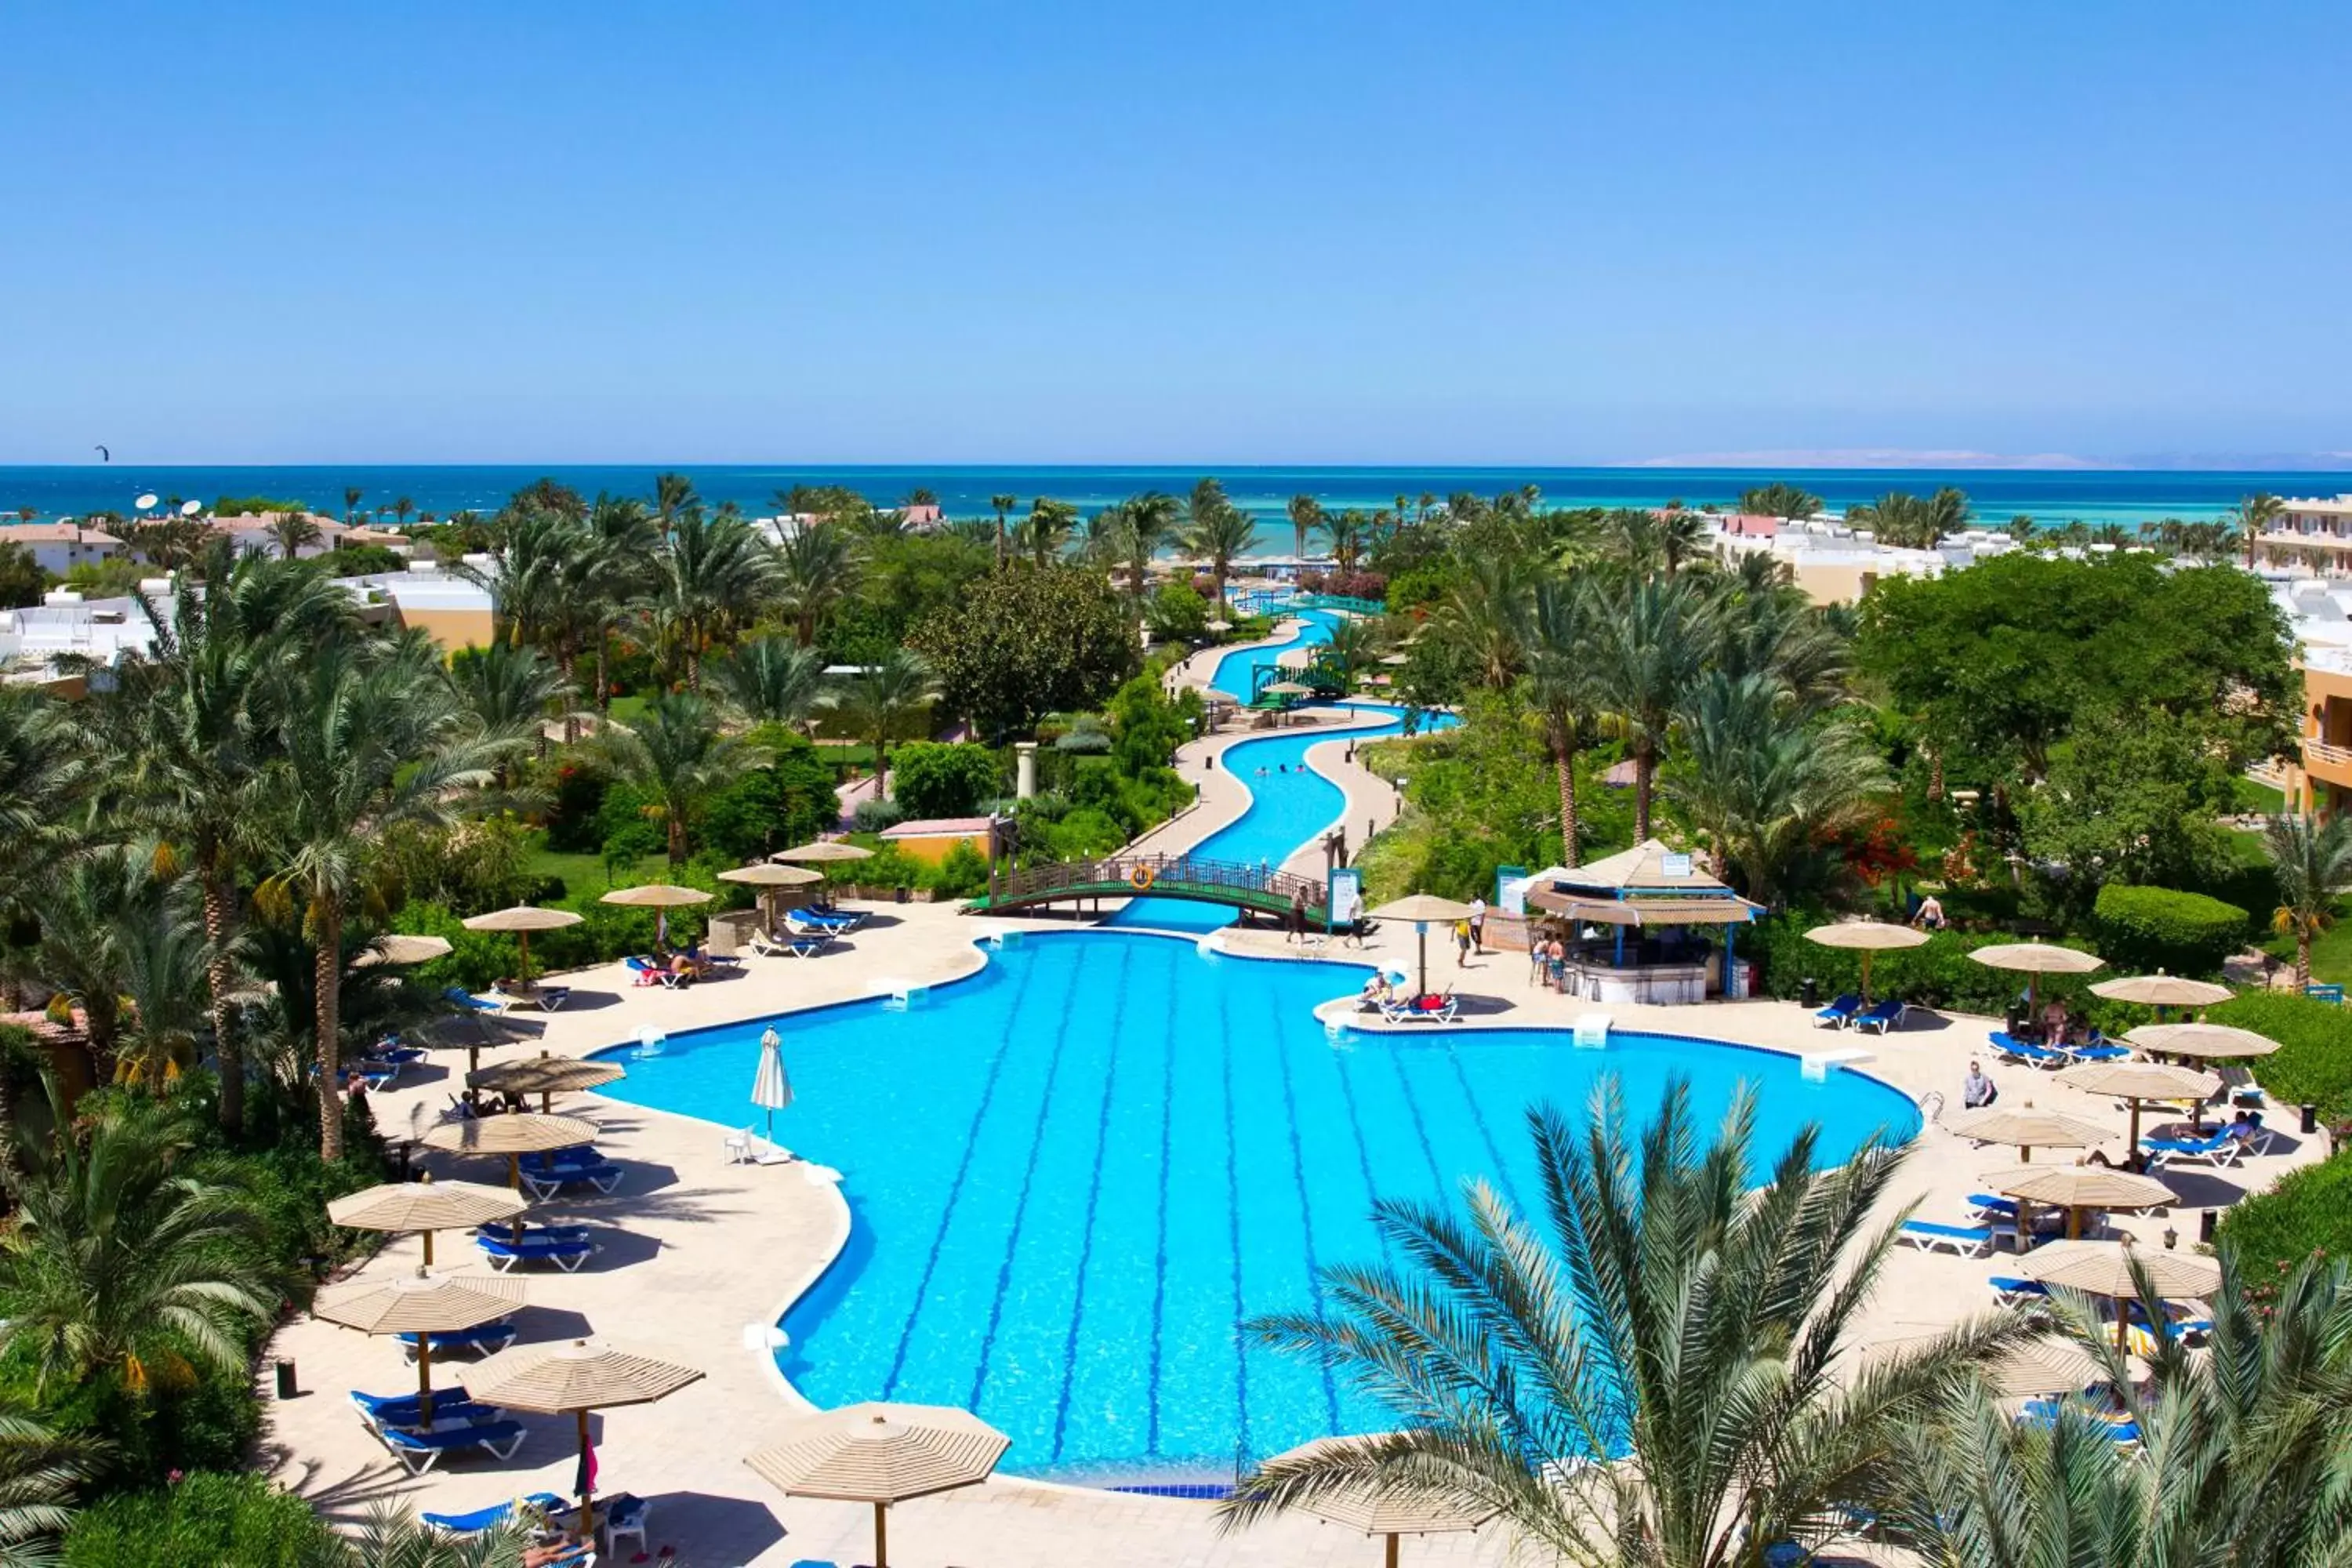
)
(1228, 883)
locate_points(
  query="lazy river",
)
(1073, 1175)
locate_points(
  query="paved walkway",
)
(696, 1251)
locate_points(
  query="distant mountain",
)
(1910, 457)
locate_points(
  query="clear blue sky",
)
(1564, 232)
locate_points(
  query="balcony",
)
(2327, 763)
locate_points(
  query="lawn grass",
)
(583, 874)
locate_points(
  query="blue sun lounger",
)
(418, 1450)
(407, 1411)
(566, 1252)
(487, 1339)
(2013, 1050)
(1840, 1012)
(1881, 1015)
(497, 1513)
(459, 997)
(603, 1176)
(1984, 1206)
(1967, 1240)
(2012, 1291)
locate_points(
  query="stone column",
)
(1025, 769)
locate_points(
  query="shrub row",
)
(1939, 975)
(2309, 1211)
(2312, 1064)
(2140, 930)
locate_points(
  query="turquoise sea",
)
(2050, 496)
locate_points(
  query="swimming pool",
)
(1073, 1176)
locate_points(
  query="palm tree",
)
(292, 532)
(1002, 505)
(1780, 500)
(1560, 622)
(1651, 641)
(1761, 786)
(352, 494)
(1654, 1372)
(617, 573)
(1147, 523)
(1484, 615)
(679, 751)
(1912, 523)
(879, 697)
(44, 766)
(674, 497)
(816, 569)
(1218, 537)
(367, 741)
(127, 1251)
(1681, 536)
(396, 1538)
(1351, 651)
(1348, 532)
(2255, 514)
(197, 741)
(709, 584)
(90, 912)
(771, 681)
(39, 1468)
(2311, 862)
(164, 969)
(1306, 517)
(1046, 530)
(506, 689)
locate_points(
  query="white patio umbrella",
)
(399, 948)
(2160, 991)
(2036, 959)
(772, 1089)
(1866, 937)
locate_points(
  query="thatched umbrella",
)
(822, 851)
(523, 920)
(400, 949)
(546, 1075)
(767, 876)
(1389, 1512)
(2106, 1268)
(881, 1454)
(660, 896)
(574, 1377)
(512, 1135)
(1420, 909)
(2036, 959)
(1866, 937)
(2075, 1188)
(2211, 1042)
(2141, 1082)
(473, 1032)
(2026, 1128)
(423, 1206)
(2160, 991)
(422, 1304)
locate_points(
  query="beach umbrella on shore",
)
(772, 1089)
(1420, 909)
(1389, 1512)
(1218, 626)
(2078, 1187)
(523, 920)
(2210, 1042)
(574, 1378)
(473, 1032)
(2140, 1083)
(2160, 991)
(546, 1075)
(2026, 1128)
(512, 1135)
(1866, 937)
(425, 1206)
(660, 896)
(767, 876)
(422, 1304)
(822, 851)
(881, 1454)
(401, 948)
(2036, 959)
(2109, 1269)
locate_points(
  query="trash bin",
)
(2311, 1119)
(286, 1389)
(1809, 992)
(2205, 1226)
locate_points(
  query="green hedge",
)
(2313, 1063)
(2146, 929)
(205, 1518)
(2309, 1211)
(1939, 975)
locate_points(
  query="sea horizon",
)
(2052, 496)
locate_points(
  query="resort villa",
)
(2313, 535)
(58, 547)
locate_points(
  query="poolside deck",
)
(700, 1249)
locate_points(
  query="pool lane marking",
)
(1159, 1257)
(1478, 1119)
(955, 1188)
(1087, 1236)
(1344, 1061)
(1306, 1225)
(1420, 1129)
(1021, 1205)
(1233, 1229)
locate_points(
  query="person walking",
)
(1478, 926)
(1460, 944)
(1297, 918)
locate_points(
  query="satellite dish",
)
(144, 503)
(190, 508)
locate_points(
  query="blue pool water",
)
(1073, 1176)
